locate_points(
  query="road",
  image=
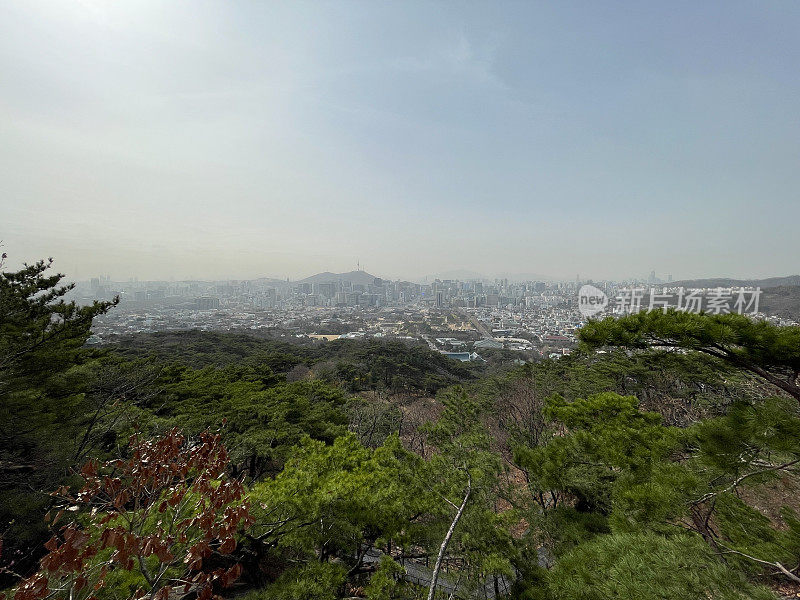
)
(480, 327)
(430, 343)
(421, 575)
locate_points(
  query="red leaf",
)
(52, 544)
(227, 546)
(164, 555)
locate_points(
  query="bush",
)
(314, 581)
(646, 566)
(383, 584)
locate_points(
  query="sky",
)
(239, 139)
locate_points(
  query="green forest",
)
(658, 461)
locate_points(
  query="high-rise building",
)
(207, 303)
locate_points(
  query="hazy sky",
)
(242, 139)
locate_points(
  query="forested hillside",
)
(354, 364)
(659, 461)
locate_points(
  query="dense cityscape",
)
(459, 318)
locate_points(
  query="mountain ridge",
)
(359, 277)
(724, 282)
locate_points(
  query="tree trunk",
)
(446, 540)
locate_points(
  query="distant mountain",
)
(359, 277)
(526, 277)
(466, 275)
(270, 280)
(460, 274)
(782, 301)
(780, 295)
(792, 280)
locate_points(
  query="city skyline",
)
(364, 277)
(460, 274)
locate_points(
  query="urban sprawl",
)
(459, 318)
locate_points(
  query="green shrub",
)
(314, 581)
(646, 566)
